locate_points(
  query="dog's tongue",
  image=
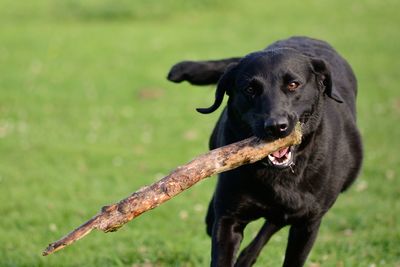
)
(280, 153)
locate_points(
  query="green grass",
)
(87, 117)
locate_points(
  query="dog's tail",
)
(200, 72)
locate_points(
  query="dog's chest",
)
(280, 198)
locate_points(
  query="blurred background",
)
(87, 117)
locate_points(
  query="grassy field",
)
(87, 116)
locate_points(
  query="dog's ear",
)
(324, 77)
(225, 84)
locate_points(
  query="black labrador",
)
(295, 80)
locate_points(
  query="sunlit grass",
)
(87, 117)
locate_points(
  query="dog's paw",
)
(181, 71)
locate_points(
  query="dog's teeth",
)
(276, 162)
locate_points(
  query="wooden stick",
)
(222, 159)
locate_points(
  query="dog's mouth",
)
(281, 158)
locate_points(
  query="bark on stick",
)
(226, 158)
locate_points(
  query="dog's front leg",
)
(301, 240)
(249, 255)
(226, 237)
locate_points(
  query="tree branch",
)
(229, 157)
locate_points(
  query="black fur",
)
(294, 80)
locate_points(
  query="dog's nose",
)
(276, 127)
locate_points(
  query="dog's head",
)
(270, 91)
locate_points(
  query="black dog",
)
(294, 80)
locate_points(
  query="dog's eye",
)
(250, 90)
(292, 86)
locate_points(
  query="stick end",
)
(49, 250)
(297, 134)
(53, 247)
(45, 253)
